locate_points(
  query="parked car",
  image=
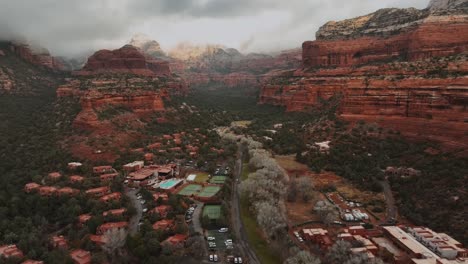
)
(211, 257)
(223, 230)
(210, 238)
(240, 260)
(145, 210)
(215, 258)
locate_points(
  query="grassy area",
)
(254, 234)
(202, 177)
(245, 171)
(212, 211)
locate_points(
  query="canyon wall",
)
(404, 69)
(40, 57)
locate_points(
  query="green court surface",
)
(212, 211)
(209, 191)
(190, 189)
(218, 179)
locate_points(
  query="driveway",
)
(237, 225)
(390, 202)
(133, 224)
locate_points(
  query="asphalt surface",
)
(238, 228)
(133, 224)
(390, 202)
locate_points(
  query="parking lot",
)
(220, 238)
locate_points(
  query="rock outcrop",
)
(40, 56)
(405, 69)
(127, 59)
(147, 46)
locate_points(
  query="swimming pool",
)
(168, 184)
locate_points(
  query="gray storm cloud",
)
(70, 28)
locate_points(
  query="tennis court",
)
(209, 191)
(218, 179)
(212, 211)
(190, 189)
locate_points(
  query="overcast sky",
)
(69, 27)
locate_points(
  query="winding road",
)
(238, 228)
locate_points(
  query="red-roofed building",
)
(163, 225)
(176, 149)
(111, 197)
(67, 191)
(108, 226)
(357, 230)
(80, 256)
(176, 240)
(108, 177)
(138, 150)
(59, 242)
(76, 179)
(164, 197)
(167, 137)
(84, 218)
(98, 192)
(10, 251)
(29, 261)
(99, 240)
(149, 156)
(143, 174)
(162, 210)
(318, 236)
(115, 212)
(177, 141)
(154, 146)
(54, 175)
(47, 190)
(134, 166)
(74, 165)
(103, 169)
(32, 186)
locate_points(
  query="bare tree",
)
(114, 240)
(303, 257)
(339, 252)
(305, 188)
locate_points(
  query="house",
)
(111, 197)
(98, 192)
(32, 186)
(74, 165)
(108, 176)
(134, 166)
(167, 137)
(76, 179)
(439, 243)
(154, 146)
(163, 225)
(176, 240)
(59, 242)
(407, 242)
(80, 256)
(102, 229)
(115, 212)
(47, 190)
(162, 210)
(103, 169)
(164, 197)
(54, 176)
(97, 239)
(149, 156)
(318, 236)
(67, 191)
(10, 251)
(84, 218)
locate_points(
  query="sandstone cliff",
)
(405, 69)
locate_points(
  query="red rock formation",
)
(414, 81)
(42, 58)
(127, 59)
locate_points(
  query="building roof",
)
(108, 226)
(80, 256)
(119, 211)
(9, 251)
(55, 175)
(76, 178)
(163, 224)
(111, 196)
(31, 186)
(98, 239)
(176, 239)
(84, 218)
(315, 232)
(142, 174)
(408, 241)
(29, 261)
(98, 190)
(59, 241)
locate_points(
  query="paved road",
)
(390, 201)
(239, 231)
(197, 227)
(133, 225)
